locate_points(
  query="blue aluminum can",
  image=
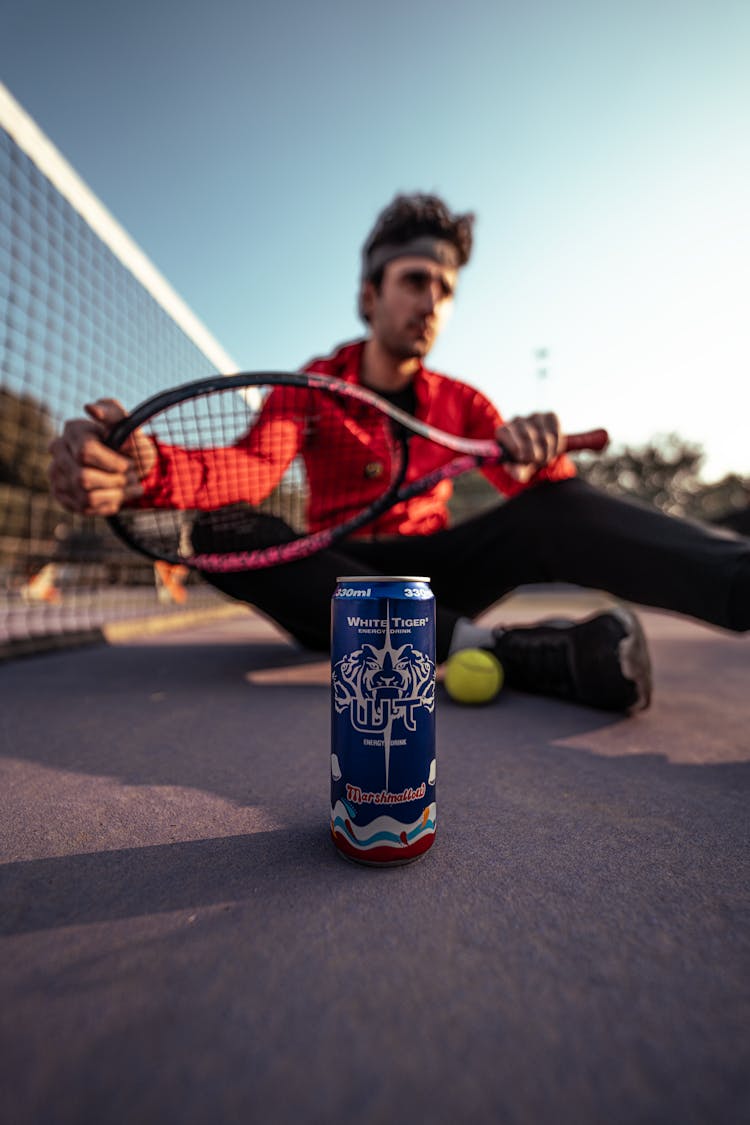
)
(383, 719)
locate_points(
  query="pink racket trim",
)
(471, 453)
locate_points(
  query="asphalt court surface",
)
(179, 941)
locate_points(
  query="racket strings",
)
(240, 472)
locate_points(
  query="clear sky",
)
(247, 145)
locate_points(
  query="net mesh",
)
(76, 324)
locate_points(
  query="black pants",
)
(557, 532)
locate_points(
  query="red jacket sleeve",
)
(248, 470)
(482, 420)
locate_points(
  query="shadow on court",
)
(181, 942)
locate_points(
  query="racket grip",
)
(595, 440)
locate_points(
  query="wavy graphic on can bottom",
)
(384, 840)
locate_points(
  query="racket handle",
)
(595, 440)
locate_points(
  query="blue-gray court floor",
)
(181, 943)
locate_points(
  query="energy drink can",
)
(383, 719)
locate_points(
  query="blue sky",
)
(604, 146)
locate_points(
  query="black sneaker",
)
(602, 661)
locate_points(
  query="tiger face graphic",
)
(380, 684)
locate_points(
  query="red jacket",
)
(208, 479)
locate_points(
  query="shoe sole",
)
(635, 662)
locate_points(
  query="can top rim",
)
(381, 578)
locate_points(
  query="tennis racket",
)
(247, 471)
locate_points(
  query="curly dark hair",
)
(409, 216)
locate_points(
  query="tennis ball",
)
(473, 675)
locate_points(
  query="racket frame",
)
(471, 453)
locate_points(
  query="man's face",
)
(415, 298)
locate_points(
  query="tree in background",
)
(26, 429)
(666, 473)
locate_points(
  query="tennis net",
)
(83, 314)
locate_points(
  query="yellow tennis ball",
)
(473, 675)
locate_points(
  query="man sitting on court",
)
(552, 527)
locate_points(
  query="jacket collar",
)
(348, 362)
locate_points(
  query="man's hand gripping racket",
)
(247, 471)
